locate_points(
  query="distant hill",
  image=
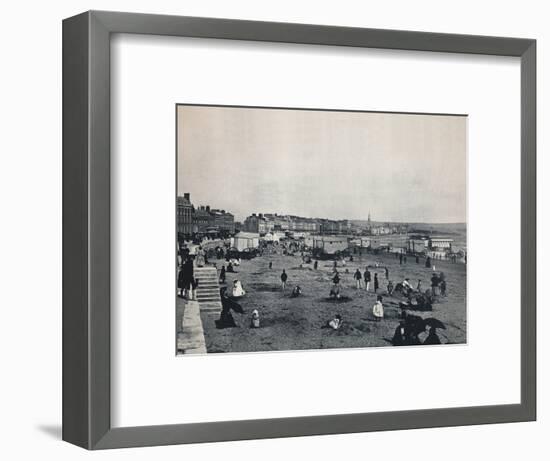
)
(434, 228)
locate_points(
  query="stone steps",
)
(207, 299)
(208, 291)
(213, 307)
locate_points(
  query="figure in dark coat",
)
(284, 278)
(226, 319)
(222, 275)
(358, 277)
(376, 286)
(186, 276)
(435, 283)
(399, 338)
(432, 337)
(414, 325)
(180, 282)
(366, 275)
(443, 288)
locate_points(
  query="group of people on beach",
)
(406, 333)
(411, 327)
(367, 278)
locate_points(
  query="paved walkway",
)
(190, 334)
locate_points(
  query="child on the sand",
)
(335, 323)
(378, 309)
(255, 319)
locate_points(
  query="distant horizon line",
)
(377, 221)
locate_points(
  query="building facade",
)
(222, 221)
(273, 222)
(255, 224)
(201, 219)
(184, 215)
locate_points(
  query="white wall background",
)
(30, 227)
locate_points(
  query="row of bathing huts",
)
(334, 246)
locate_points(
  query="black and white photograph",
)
(301, 229)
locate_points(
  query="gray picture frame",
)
(86, 229)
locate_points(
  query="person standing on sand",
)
(271, 264)
(390, 288)
(378, 308)
(443, 287)
(435, 283)
(419, 286)
(315, 265)
(358, 277)
(367, 278)
(376, 282)
(387, 273)
(336, 279)
(284, 278)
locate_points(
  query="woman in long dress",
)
(200, 259)
(226, 320)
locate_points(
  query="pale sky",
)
(324, 164)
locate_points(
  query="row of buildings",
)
(269, 222)
(193, 220)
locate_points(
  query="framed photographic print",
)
(327, 257)
(276, 230)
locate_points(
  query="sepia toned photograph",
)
(303, 229)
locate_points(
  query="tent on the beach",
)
(244, 240)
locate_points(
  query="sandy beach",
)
(295, 323)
